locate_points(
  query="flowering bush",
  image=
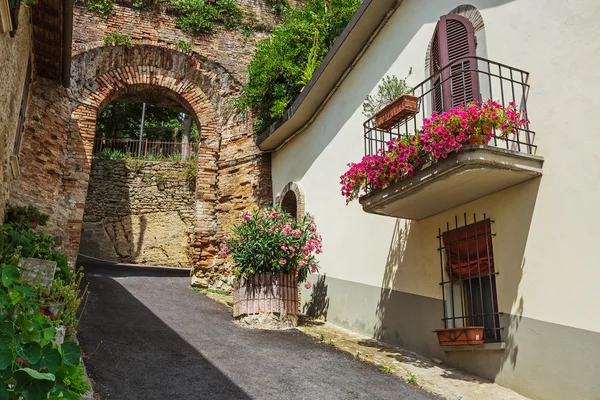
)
(440, 135)
(270, 240)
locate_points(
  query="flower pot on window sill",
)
(460, 336)
(403, 107)
(481, 139)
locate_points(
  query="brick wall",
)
(232, 174)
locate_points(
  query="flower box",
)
(400, 109)
(460, 336)
(482, 139)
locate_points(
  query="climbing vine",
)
(284, 62)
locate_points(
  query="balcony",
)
(475, 170)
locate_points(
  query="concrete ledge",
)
(467, 175)
(476, 347)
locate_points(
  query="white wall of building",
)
(547, 229)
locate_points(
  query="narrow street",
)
(146, 335)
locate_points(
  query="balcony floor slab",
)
(467, 175)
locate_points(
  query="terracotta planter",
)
(405, 106)
(481, 139)
(34, 223)
(266, 293)
(460, 336)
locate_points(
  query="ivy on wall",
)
(284, 62)
(194, 16)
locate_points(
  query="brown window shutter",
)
(454, 39)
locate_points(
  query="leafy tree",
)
(284, 62)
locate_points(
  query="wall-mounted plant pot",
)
(397, 111)
(481, 139)
(460, 336)
(34, 223)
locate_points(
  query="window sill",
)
(476, 347)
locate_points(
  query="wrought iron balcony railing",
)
(461, 82)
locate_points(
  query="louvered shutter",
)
(454, 39)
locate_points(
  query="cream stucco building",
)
(381, 274)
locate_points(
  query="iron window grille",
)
(469, 276)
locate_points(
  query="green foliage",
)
(183, 45)
(390, 89)
(286, 60)
(26, 214)
(198, 16)
(36, 245)
(190, 173)
(411, 378)
(32, 366)
(104, 7)
(122, 121)
(111, 154)
(331, 342)
(386, 369)
(207, 291)
(118, 39)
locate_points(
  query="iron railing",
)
(469, 276)
(460, 82)
(144, 149)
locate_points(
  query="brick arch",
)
(92, 93)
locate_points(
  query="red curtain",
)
(469, 251)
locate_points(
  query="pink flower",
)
(308, 285)
(282, 261)
(246, 215)
(224, 250)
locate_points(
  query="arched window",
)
(291, 200)
(289, 204)
(453, 40)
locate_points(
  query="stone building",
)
(55, 154)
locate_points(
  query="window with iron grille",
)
(22, 111)
(469, 276)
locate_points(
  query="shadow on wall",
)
(413, 266)
(318, 304)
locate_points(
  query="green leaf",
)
(15, 297)
(51, 359)
(3, 391)
(6, 356)
(66, 394)
(49, 333)
(32, 384)
(71, 353)
(30, 352)
(10, 275)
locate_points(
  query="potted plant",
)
(272, 253)
(392, 104)
(26, 214)
(467, 335)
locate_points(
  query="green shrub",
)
(118, 39)
(285, 61)
(198, 16)
(104, 7)
(32, 366)
(183, 45)
(26, 214)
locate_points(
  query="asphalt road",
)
(146, 335)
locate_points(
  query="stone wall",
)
(140, 212)
(232, 174)
(14, 54)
